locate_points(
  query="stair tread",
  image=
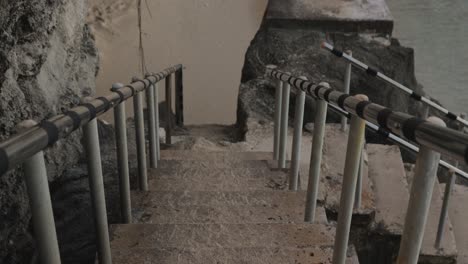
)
(221, 207)
(387, 172)
(220, 180)
(322, 255)
(216, 155)
(186, 164)
(392, 192)
(458, 215)
(207, 172)
(202, 236)
(334, 156)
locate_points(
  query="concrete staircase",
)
(235, 207)
(221, 207)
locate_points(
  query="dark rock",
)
(48, 61)
(298, 51)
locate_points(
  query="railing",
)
(376, 74)
(431, 134)
(351, 61)
(27, 148)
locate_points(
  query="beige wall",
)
(210, 37)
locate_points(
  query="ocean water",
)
(438, 32)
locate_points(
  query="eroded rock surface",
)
(48, 61)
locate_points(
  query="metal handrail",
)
(27, 148)
(374, 73)
(441, 139)
(432, 135)
(400, 141)
(18, 148)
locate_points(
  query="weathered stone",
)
(392, 196)
(199, 236)
(458, 215)
(322, 255)
(298, 51)
(334, 156)
(214, 156)
(222, 207)
(48, 61)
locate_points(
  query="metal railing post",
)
(445, 204)
(151, 127)
(120, 121)
(297, 139)
(347, 85)
(350, 175)
(425, 176)
(316, 160)
(358, 195)
(179, 97)
(35, 176)
(140, 140)
(169, 109)
(284, 125)
(277, 117)
(156, 114)
(96, 185)
(444, 210)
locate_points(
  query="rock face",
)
(297, 50)
(48, 61)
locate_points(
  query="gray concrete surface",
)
(458, 216)
(391, 185)
(222, 207)
(334, 155)
(228, 256)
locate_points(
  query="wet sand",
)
(210, 37)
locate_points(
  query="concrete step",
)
(228, 179)
(387, 172)
(315, 255)
(202, 236)
(221, 207)
(216, 155)
(458, 216)
(217, 164)
(334, 156)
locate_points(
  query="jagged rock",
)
(298, 51)
(48, 61)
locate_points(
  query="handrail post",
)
(445, 204)
(358, 194)
(347, 85)
(297, 138)
(151, 126)
(96, 185)
(444, 210)
(35, 176)
(284, 125)
(179, 97)
(425, 176)
(156, 120)
(169, 109)
(277, 117)
(316, 159)
(122, 158)
(350, 175)
(140, 140)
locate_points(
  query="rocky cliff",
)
(48, 61)
(297, 50)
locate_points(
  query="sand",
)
(210, 37)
